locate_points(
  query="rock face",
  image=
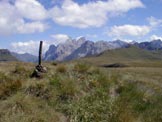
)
(49, 55)
(77, 48)
(26, 57)
(85, 49)
(5, 55)
(63, 50)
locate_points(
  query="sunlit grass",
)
(79, 92)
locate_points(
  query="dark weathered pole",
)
(40, 53)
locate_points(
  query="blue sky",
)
(23, 23)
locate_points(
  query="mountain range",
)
(26, 57)
(5, 55)
(77, 48)
(81, 47)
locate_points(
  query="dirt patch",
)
(115, 65)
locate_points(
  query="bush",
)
(91, 108)
(21, 71)
(65, 86)
(4, 78)
(81, 67)
(9, 87)
(54, 63)
(61, 68)
(39, 90)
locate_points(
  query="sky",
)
(23, 23)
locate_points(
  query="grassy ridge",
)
(78, 92)
(5, 55)
(131, 56)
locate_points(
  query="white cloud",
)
(30, 16)
(12, 22)
(154, 22)
(155, 37)
(31, 47)
(32, 27)
(92, 14)
(31, 9)
(59, 38)
(91, 36)
(129, 30)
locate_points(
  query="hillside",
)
(130, 56)
(5, 55)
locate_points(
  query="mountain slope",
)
(5, 55)
(130, 55)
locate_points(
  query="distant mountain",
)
(49, 55)
(26, 57)
(78, 48)
(153, 45)
(63, 50)
(118, 44)
(5, 55)
(90, 48)
(85, 49)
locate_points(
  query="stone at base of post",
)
(39, 71)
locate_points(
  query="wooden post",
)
(40, 53)
(39, 69)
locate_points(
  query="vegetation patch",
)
(39, 90)
(83, 93)
(61, 68)
(81, 67)
(8, 86)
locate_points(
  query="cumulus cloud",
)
(29, 47)
(30, 16)
(59, 38)
(11, 21)
(129, 30)
(32, 27)
(154, 22)
(92, 14)
(155, 37)
(31, 9)
(33, 46)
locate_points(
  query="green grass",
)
(131, 56)
(79, 92)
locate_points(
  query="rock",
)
(39, 71)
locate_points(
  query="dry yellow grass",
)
(83, 93)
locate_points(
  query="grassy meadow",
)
(80, 92)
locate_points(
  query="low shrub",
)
(61, 68)
(4, 78)
(81, 67)
(19, 69)
(65, 86)
(54, 63)
(9, 87)
(91, 108)
(38, 90)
